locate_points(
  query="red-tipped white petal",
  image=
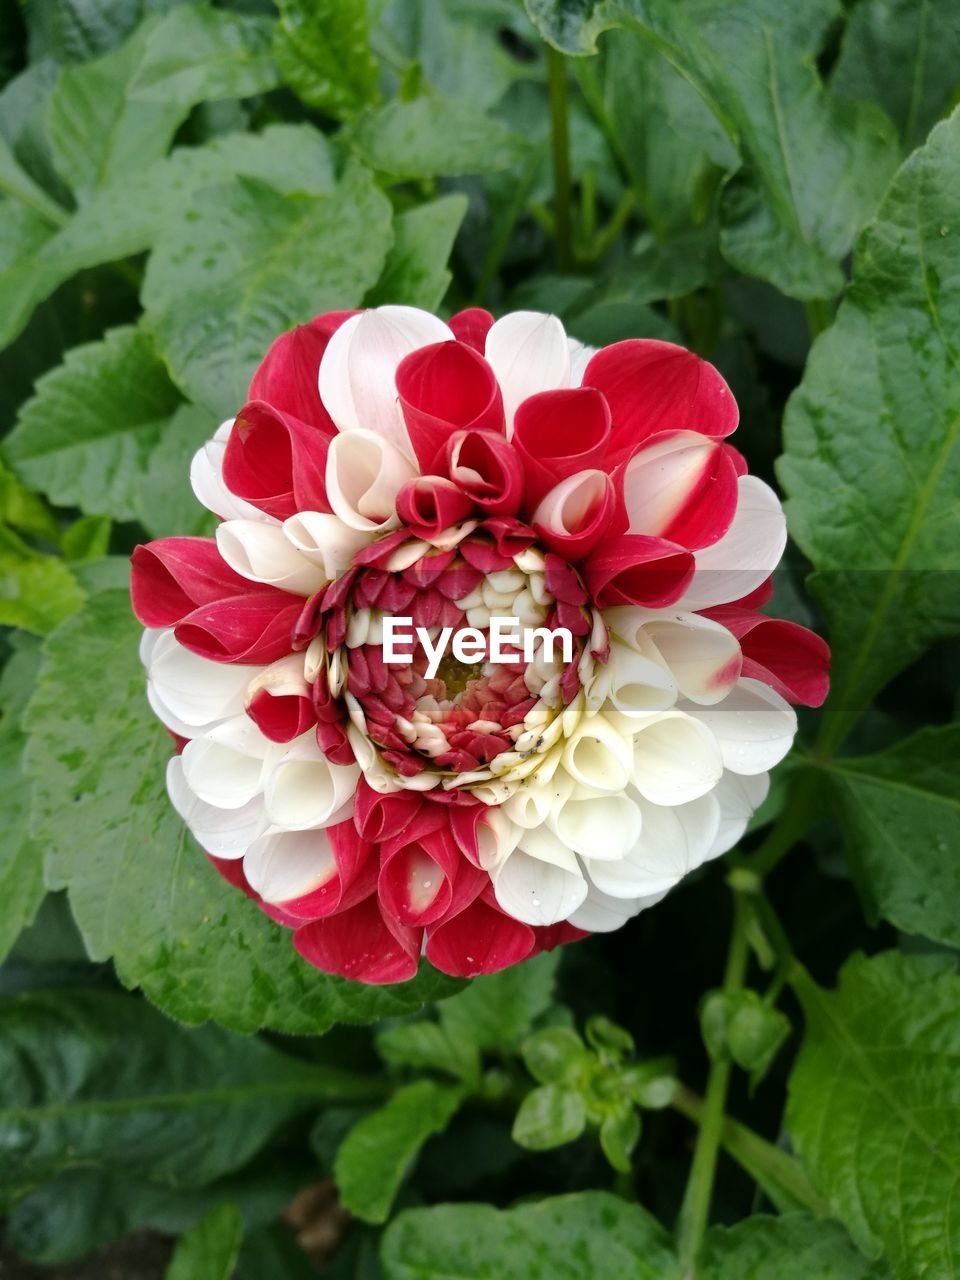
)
(358, 369)
(747, 553)
(226, 768)
(541, 881)
(672, 842)
(528, 352)
(305, 790)
(739, 797)
(365, 472)
(753, 726)
(224, 833)
(324, 540)
(206, 479)
(282, 865)
(576, 513)
(597, 755)
(497, 837)
(702, 656)
(675, 758)
(261, 553)
(681, 486)
(603, 827)
(191, 694)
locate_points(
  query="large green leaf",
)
(904, 55)
(587, 1236)
(496, 1011)
(86, 436)
(248, 260)
(76, 30)
(21, 861)
(900, 812)
(118, 114)
(874, 1107)
(209, 1250)
(379, 1150)
(140, 889)
(37, 591)
(791, 1247)
(322, 48)
(416, 273)
(15, 181)
(871, 467)
(814, 165)
(97, 1079)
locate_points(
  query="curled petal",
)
(480, 939)
(637, 681)
(276, 462)
(443, 388)
(286, 377)
(324, 540)
(654, 386)
(429, 504)
(472, 326)
(487, 470)
(753, 726)
(279, 700)
(171, 576)
(541, 882)
(252, 628)
(227, 767)
(305, 790)
(747, 553)
(365, 472)
(206, 480)
(528, 352)
(672, 842)
(358, 372)
(791, 659)
(701, 654)
(557, 433)
(675, 758)
(358, 944)
(603, 827)
(576, 514)
(260, 552)
(681, 486)
(739, 796)
(638, 570)
(288, 865)
(223, 833)
(190, 694)
(597, 755)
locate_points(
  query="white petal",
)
(227, 767)
(747, 553)
(305, 790)
(580, 357)
(601, 913)
(565, 509)
(533, 802)
(358, 371)
(190, 694)
(637, 684)
(325, 540)
(289, 864)
(497, 837)
(598, 756)
(528, 352)
(283, 678)
(754, 727)
(673, 841)
(739, 798)
(224, 833)
(675, 758)
(703, 657)
(658, 480)
(206, 477)
(540, 884)
(364, 474)
(597, 826)
(261, 553)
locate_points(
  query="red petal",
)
(287, 376)
(357, 944)
(171, 576)
(649, 572)
(381, 817)
(585, 525)
(276, 461)
(441, 388)
(789, 658)
(481, 939)
(487, 469)
(250, 629)
(281, 717)
(654, 386)
(557, 433)
(429, 504)
(472, 326)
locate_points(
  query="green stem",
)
(819, 315)
(781, 1176)
(560, 144)
(695, 1209)
(617, 221)
(794, 821)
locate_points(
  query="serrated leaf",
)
(793, 1246)
(415, 273)
(433, 137)
(871, 466)
(587, 1236)
(140, 890)
(497, 1010)
(900, 813)
(119, 113)
(874, 1107)
(322, 48)
(86, 437)
(21, 861)
(902, 54)
(549, 1117)
(247, 261)
(165, 502)
(379, 1150)
(77, 30)
(37, 591)
(209, 1250)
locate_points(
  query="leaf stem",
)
(695, 1209)
(794, 821)
(560, 144)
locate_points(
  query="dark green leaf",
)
(496, 1011)
(76, 30)
(209, 1250)
(434, 137)
(323, 50)
(378, 1151)
(791, 1247)
(549, 1117)
(415, 273)
(431, 1046)
(21, 861)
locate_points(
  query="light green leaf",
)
(619, 1135)
(378, 1151)
(874, 1109)
(25, 510)
(87, 538)
(497, 1010)
(416, 273)
(791, 1247)
(21, 861)
(165, 502)
(16, 182)
(86, 437)
(140, 889)
(209, 1250)
(119, 113)
(37, 591)
(554, 1054)
(900, 813)
(322, 48)
(432, 1047)
(904, 55)
(871, 466)
(587, 1236)
(433, 137)
(247, 261)
(549, 1117)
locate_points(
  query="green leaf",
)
(16, 182)
(793, 1246)
(165, 502)
(21, 861)
(378, 1151)
(322, 48)
(874, 1108)
(119, 113)
(902, 54)
(247, 261)
(607, 1038)
(140, 889)
(209, 1250)
(619, 1135)
(871, 466)
(433, 137)
(554, 1055)
(94, 1079)
(900, 814)
(741, 1024)
(416, 273)
(24, 510)
(86, 437)
(587, 1236)
(549, 1117)
(77, 30)
(87, 538)
(814, 165)
(37, 591)
(496, 1011)
(431, 1046)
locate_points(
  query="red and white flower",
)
(388, 463)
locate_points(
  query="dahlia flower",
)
(389, 464)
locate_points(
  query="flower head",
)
(390, 466)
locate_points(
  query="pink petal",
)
(250, 628)
(487, 469)
(276, 461)
(558, 433)
(481, 939)
(171, 576)
(442, 388)
(357, 944)
(429, 504)
(576, 514)
(788, 657)
(681, 486)
(472, 326)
